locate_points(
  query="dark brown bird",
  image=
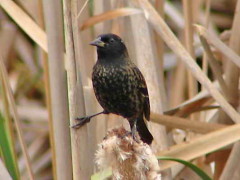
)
(119, 86)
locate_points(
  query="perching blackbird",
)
(119, 86)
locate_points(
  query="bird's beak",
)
(97, 42)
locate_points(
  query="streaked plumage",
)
(119, 86)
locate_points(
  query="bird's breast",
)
(116, 89)
(113, 80)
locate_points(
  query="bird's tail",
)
(143, 131)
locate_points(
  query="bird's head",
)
(109, 46)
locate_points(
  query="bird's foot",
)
(135, 138)
(126, 134)
(82, 121)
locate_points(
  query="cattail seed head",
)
(127, 158)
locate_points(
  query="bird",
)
(119, 86)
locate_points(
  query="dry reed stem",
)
(78, 48)
(47, 89)
(83, 7)
(105, 6)
(159, 5)
(215, 66)
(97, 126)
(77, 78)
(69, 45)
(33, 149)
(219, 158)
(160, 26)
(49, 109)
(233, 84)
(178, 83)
(202, 145)
(29, 7)
(232, 71)
(12, 105)
(112, 14)
(25, 51)
(222, 20)
(113, 26)
(188, 35)
(190, 106)
(203, 95)
(221, 46)
(236, 173)
(4, 172)
(43, 161)
(185, 124)
(207, 13)
(25, 22)
(106, 122)
(206, 24)
(232, 165)
(30, 112)
(174, 14)
(70, 55)
(7, 38)
(58, 90)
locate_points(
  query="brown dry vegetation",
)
(187, 50)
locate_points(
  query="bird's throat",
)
(111, 57)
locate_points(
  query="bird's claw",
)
(133, 136)
(82, 121)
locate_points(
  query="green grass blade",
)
(104, 174)
(196, 169)
(6, 151)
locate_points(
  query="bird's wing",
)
(143, 91)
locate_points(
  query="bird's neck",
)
(112, 58)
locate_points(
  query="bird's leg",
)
(133, 125)
(86, 119)
(133, 131)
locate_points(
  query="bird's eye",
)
(111, 40)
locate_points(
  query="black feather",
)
(119, 85)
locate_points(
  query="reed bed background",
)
(187, 50)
